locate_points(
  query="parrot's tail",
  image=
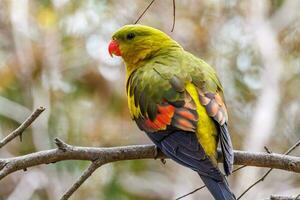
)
(219, 189)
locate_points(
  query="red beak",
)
(113, 48)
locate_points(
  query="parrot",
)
(177, 99)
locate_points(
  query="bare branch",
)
(22, 127)
(11, 165)
(112, 154)
(85, 175)
(100, 156)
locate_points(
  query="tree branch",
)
(112, 154)
(85, 175)
(100, 156)
(21, 128)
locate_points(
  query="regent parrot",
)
(177, 99)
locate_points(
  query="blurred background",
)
(53, 53)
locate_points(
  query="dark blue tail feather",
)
(219, 189)
(227, 149)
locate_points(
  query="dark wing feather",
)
(184, 148)
(227, 150)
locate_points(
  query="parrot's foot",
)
(156, 155)
(156, 152)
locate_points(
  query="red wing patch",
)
(162, 120)
(184, 118)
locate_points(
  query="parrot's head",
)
(135, 43)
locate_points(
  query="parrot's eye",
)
(130, 36)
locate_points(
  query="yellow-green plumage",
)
(155, 50)
(135, 53)
(177, 99)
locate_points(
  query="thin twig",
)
(237, 169)
(138, 19)
(22, 127)
(269, 171)
(181, 197)
(261, 179)
(292, 148)
(267, 150)
(255, 183)
(174, 10)
(61, 144)
(85, 175)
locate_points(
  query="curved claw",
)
(156, 152)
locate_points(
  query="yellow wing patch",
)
(206, 128)
(134, 111)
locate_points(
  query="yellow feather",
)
(134, 111)
(206, 128)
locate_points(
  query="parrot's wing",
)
(160, 103)
(211, 96)
(167, 113)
